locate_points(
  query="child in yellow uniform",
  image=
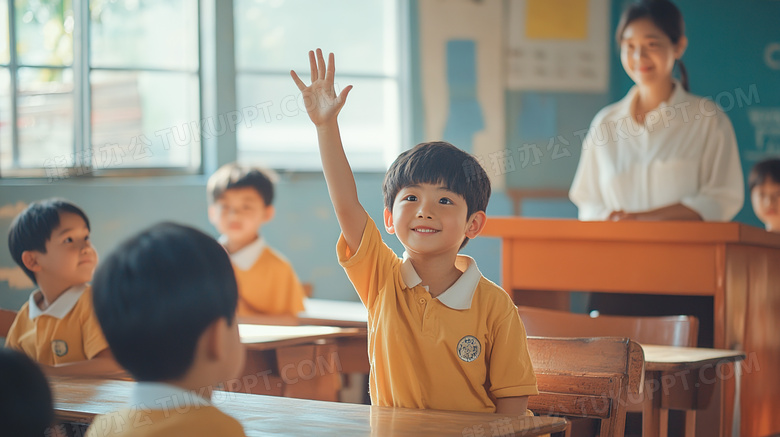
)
(441, 336)
(764, 183)
(166, 300)
(57, 326)
(241, 202)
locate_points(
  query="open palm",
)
(322, 103)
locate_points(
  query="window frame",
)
(217, 95)
(82, 106)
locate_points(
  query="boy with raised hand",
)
(57, 326)
(441, 336)
(166, 300)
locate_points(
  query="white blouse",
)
(684, 152)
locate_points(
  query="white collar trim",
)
(60, 307)
(245, 258)
(677, 96)
(460, 294)
(160, 396)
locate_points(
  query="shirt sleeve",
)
(721, 184)
(369, 267)
(295, 294)
(12, 337)
(511, 371)
(585, 191)
(92, 335)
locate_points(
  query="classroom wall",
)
(305, 229)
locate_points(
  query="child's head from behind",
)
(166, 301)
(434, 189)
(50, 239)
(764, 183)
(240, 200)
(26, 407)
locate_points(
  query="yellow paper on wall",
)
(557, 19)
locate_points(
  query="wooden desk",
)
(293, 361)
(736, 264)
(334, 313)
(268, 337)
(80, 400)
(682, 378)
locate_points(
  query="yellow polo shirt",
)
(65, 332)
(267, 283)
(459, 351)
(161, 410)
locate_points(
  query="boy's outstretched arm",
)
(323, 107)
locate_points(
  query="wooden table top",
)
(266, 337)
(81, 399)
(334, 313)
(634, 231)
(673, 358)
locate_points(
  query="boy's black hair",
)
(234, 175)
(766, 169)
(156, 294)
(26, 407)
(32, 228)
(439, 162)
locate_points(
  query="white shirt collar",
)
(460, 294)
(60, 307)
(677, 96)
(160, 396)
(245, 258)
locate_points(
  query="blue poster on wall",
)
(465, 115)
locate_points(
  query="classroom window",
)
(273, 36)
(97, 87)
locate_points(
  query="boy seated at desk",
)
(166, 300)
(440, 335)
(764, 183)
(240, 203)
(57, 327)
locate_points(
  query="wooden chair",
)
(6, 319)
(658, 330)
(586, 377)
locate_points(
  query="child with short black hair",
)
(440, 335)
(240, 203)
(764, 183)
(57, 327)
(166, 300)
(26, 407)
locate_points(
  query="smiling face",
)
(70, 258)
(239, 213)
(647, 53)
(765, 198)
(430, 219)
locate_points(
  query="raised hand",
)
(320, 98)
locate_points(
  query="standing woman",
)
(660, 153)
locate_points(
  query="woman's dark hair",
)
(665, 16)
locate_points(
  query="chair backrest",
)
(660, 330)
(587, 377)
(6, 319)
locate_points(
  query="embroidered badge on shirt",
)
(469, 348)
(59, 347)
